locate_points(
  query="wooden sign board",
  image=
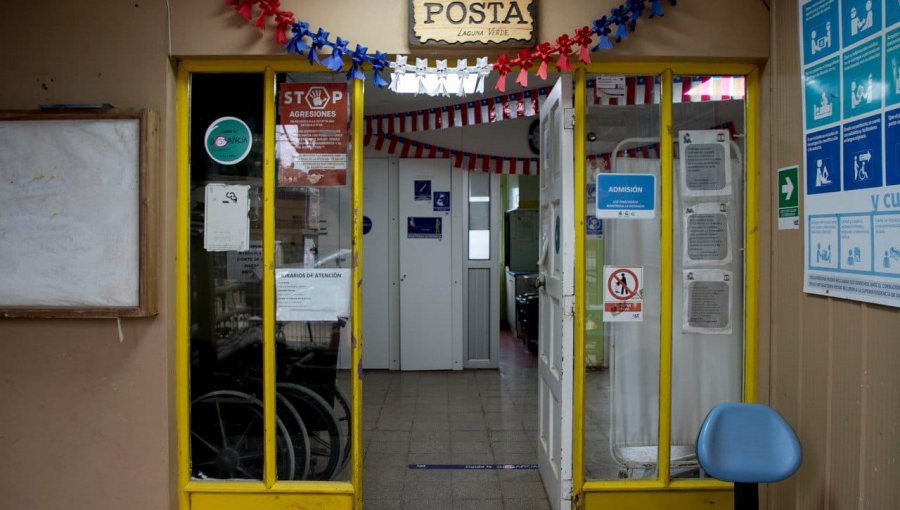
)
(498, 23)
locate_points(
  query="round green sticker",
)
(228, 140)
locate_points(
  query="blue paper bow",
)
(319, 39)
(656, 9)
(296, 44)
(357, 58)
(335, 62)
(601, 28)
(619, 16)
(379, 62)
(636, 7)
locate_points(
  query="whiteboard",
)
(70, 214)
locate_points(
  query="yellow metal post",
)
(578, 358)
(665, 276)
(268, 289)
(182, 248)
(751, 240)
(356, 335)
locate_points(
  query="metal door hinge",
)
(569, 118)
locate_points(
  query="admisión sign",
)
(444, 22)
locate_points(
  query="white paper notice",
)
(705, 158)
(227, 223)
(245, 266)
(706, 236)
(707, 301)
(610, 86)
(312, 294)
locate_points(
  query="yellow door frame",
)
(622, 494)
(268, 493)
(663, 492)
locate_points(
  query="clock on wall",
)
(534, 136)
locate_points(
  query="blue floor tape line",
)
(473, 466)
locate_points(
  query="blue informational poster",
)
(823, 161)
(441, 201)
(423, 228)
(862, 18)
(821, 36)
(892, 68)
(851, 207)
(823, 93)
(862, 79)
(626, 196)
(422, 190)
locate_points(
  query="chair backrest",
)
(747, 443)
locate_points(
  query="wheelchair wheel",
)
(321, 428)
(288, 414)
(342, 415)
(227, 438)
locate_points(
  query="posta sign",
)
(445, 22)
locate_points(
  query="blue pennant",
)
(637, 10)
(656, 9)
(357, 58)
(601, 28)
(296, 44)
(379, 62)
(620, 18)
(319, 39)
(335, 62)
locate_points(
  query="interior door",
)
(556, 266)
(376, 250)
(426, 321)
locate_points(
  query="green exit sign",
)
(788, 198)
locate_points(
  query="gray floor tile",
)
(381, 504)
(428, 504)
(414, 489)
(525, 504)
(526, 489)
(477, 504)
(478, 489)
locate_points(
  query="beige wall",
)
(734, 29)
(835, 364)
(86, 421)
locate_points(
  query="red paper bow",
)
(583, 39)
(524, 61)
(564, 46)
(502, 66)
(543, 52)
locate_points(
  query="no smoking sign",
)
(623, 292)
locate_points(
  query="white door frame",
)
(556, 266)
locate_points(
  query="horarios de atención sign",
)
(444, 22)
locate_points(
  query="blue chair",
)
(747, 444)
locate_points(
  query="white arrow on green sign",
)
(788, 199)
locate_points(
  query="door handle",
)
(539, 282)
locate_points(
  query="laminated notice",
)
(226, 218)
(707, 301)
(705, 159)
(312, 294)
(706, 234)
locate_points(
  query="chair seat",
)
(747, 443)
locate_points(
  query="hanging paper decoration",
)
(624, 17)
(471, 161)
(485, 111)
(685, 89)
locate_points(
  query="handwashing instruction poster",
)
(850, 51)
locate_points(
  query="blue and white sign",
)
(593, 227)
(821, 36)
(626, 196)
(441, 201)
(422, 190)
(862, 18)
(851, 135)
(862, 153)
(862, 79)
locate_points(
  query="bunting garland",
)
(448, 79)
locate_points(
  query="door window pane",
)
(225, 278)
(312, 267)
(479, 200)
(622, 353)
(708, 266)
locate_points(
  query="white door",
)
(556, 265)
(377, 301)
(426, 319)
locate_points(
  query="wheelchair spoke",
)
(204, 441)
(221, 425)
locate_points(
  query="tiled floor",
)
(468, 417)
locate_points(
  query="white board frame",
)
(147, 152)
